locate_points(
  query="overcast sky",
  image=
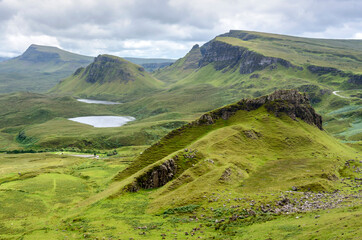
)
(165, 28)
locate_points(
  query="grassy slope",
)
(44, 120)
(190, 91)
(262, 168)
(39, 69)
(341, 54)
(139, 82)
(227, 144)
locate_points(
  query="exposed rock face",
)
(156, 177)
(107, 68)
(224, 55)
(323, 70)
(291, 102)
(353, 78)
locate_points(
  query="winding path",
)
(336, 93)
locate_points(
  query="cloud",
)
(164, 28)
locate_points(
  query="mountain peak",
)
(39, 54)
(108, 68)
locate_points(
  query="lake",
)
(97, 101)
(103, 121)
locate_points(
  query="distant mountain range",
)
(3, 59)
(40, 68)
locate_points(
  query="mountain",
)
(3, 59)
(109, 77)
(38, 69)
(240, 53)
(151, 64)
(260, 168)
(257, 162)
(250, 64)
(244, 147)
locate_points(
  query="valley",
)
(250, 136)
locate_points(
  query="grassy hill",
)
(250, 64)
(109, 77)
(257, 169)
(38, 69)
(209, 77)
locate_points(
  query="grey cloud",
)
(105, 25)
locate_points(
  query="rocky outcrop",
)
(156, 177)
(224, 55)
(323, 70)
(106, 68)
(290, 102)
(355, 79)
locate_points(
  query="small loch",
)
(103, 121)
(97, 101)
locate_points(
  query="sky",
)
(165, 28)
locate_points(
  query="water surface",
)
(97, 101)
(103, 121)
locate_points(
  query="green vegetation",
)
(246, 174)
(38, 69)
(237, 189)
(109, 77)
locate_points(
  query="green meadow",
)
(252, 174)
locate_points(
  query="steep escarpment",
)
(355, 79)
(288, 102)
(224, 55)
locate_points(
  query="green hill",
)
(250, 64)
(38, 69)
(256, 169)
(109, 77)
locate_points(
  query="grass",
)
(112, 78)
(245, 159)
(39, 69)
(187, 91)
(341, 54)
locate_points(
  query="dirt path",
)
(336, 93)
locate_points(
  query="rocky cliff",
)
(355, 79)
(156, 177)
(224, 55)
(290, 102)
